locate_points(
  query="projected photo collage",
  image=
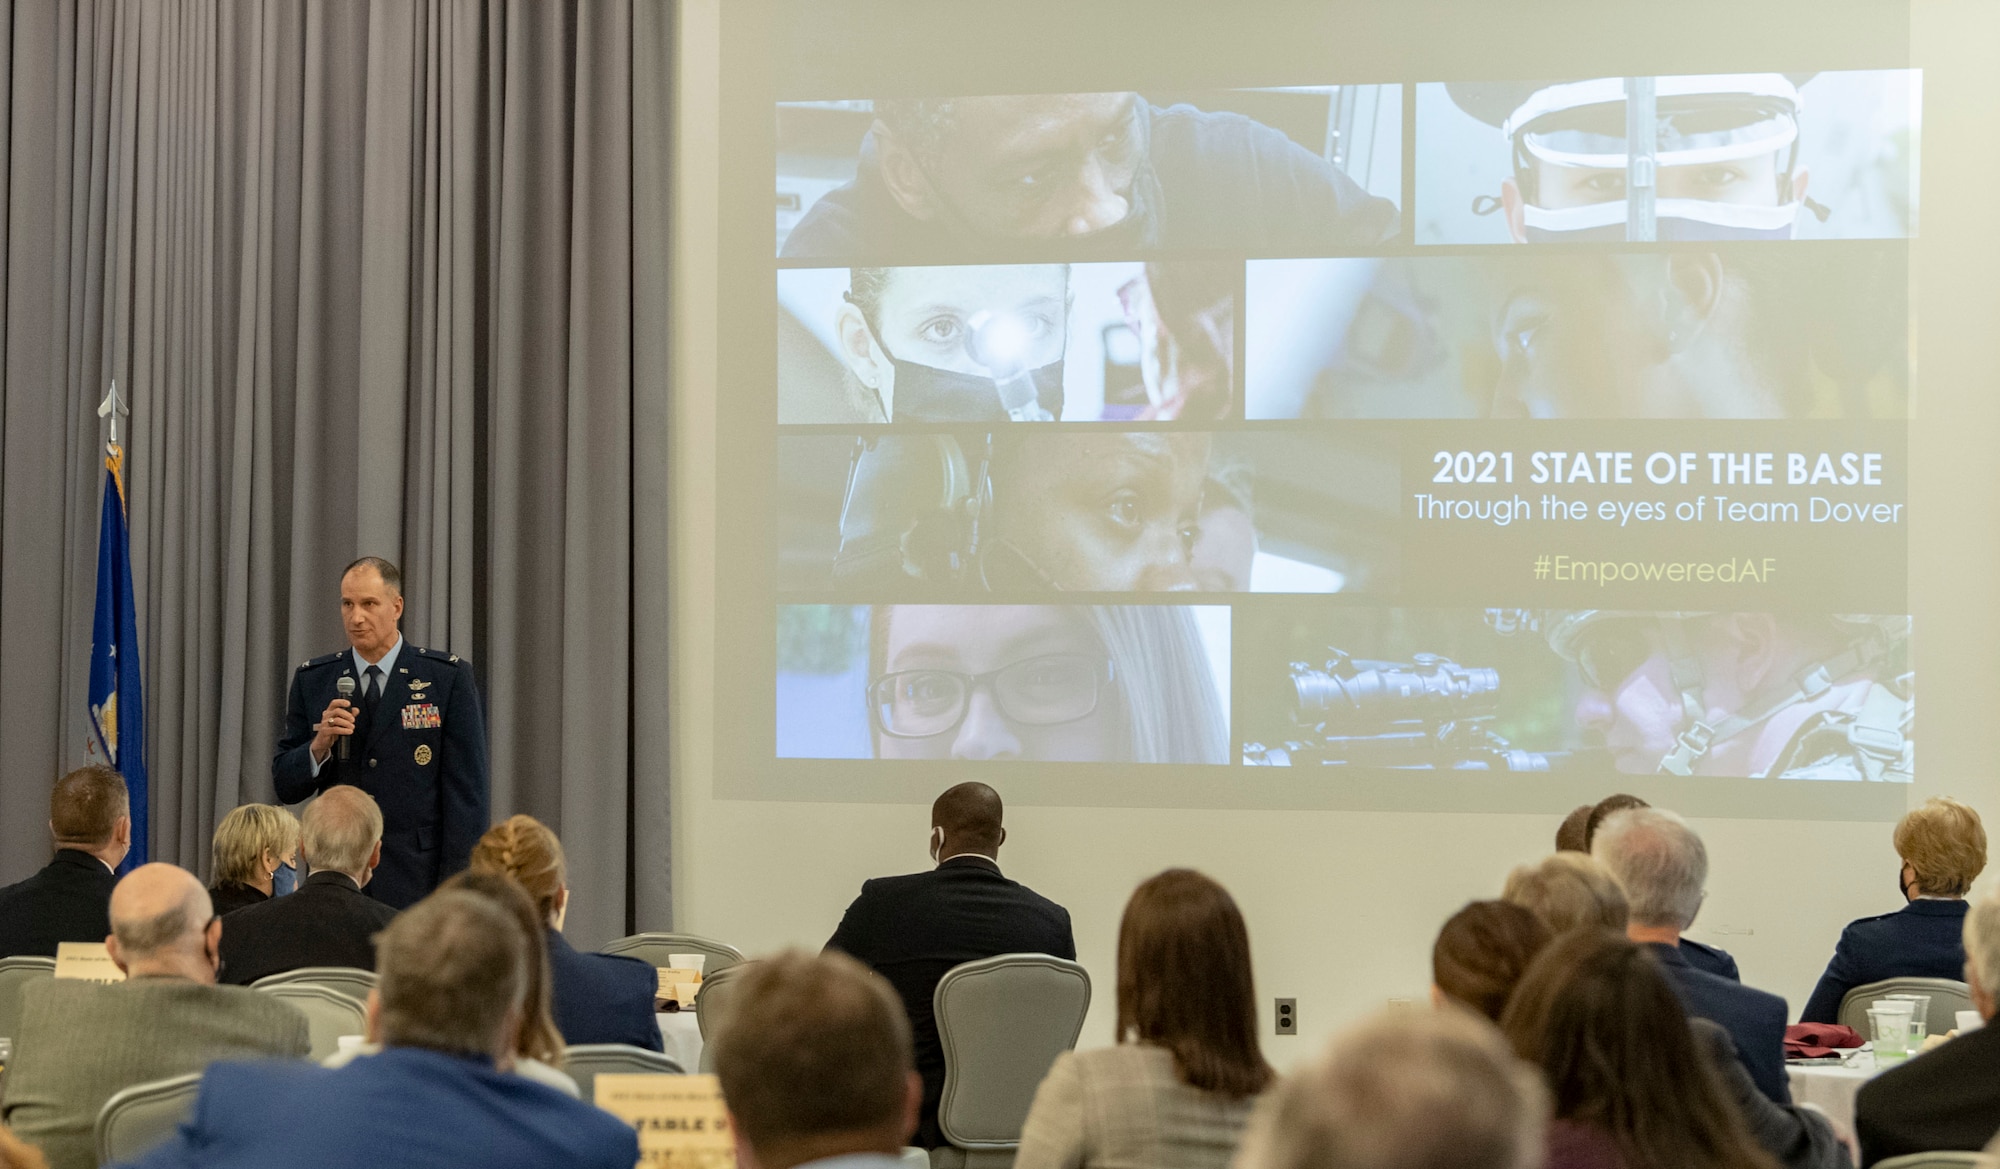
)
(1256, 328)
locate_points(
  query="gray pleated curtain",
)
(371, 273)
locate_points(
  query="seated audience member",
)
(597, 998)
(80, 1042)
(18, 1154)
(1570, 834)
(1178, 1087)
(329, 921)
(814, 1056)
(1948, 1098)
(1568, 890)
(913, 928)
(538, 1046)
(1663, 868)
(1481, 953)
(1402, 1091)
(1699, 956)
(256, 853)
(1943, 847)
(453, 995)
(90, 816)
(1632, 1090)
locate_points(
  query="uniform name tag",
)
(421, 717)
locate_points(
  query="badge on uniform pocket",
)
(423, 755)
(421, 716)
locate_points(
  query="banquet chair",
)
(1939, 1160)
(584, 1062)
(329, 1013)
(715, 991)
(141, 1116)
(1948, 997)
(1001, 1021)
(656, 949)
(351, 981)
(15, 973)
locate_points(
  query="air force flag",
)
(117, 708)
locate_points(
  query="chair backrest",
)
(351, 981)
(1002, 1021)
(1948, 997)
(656, 949)
(141, 1116)
(584, 1062)
(715, 992)
(1939, 1160)
(15, 973)
(329, 1013)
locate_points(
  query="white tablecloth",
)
(681, 1039)
(1832, 1087)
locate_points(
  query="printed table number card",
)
(88, 961)
(681, 1119)
(679, 986)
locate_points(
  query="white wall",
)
(1343, 906)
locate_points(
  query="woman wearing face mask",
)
(256, 853)
(964, 344)
(1054, 683)
(1943, 848)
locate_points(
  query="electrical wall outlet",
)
(1287, 1015)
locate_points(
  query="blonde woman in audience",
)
(1943, 848)
(256, 854)
(1179, 1086)
(1403, 1091)
(1568, 890)
(597, 998)
(1632, 1089)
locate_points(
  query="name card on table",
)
(681, 1119)
(88, 961)
(678, 986)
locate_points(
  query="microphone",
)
(345, 685)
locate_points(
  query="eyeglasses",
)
(1041, 692)
(1610, 653)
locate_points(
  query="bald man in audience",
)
(90, 816)
(80, 1042)
(813, 1052)
(439, 1095)
(329, 921)
(913, 928)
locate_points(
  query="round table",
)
(1832, 1087)
(680, 1037)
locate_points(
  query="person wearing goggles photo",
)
(1647, 158)
(1107, 172)
(1050, 683)
(1747, 694)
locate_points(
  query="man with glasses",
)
(1750, 694)
(1107, 171)
(912, 929)
(80, 1042)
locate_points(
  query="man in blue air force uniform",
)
(418, 737)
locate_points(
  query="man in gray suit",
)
(81, 1042)
(814, 1056)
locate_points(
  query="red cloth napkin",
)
(1813, 1040)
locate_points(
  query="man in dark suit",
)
(440, 1093)
(1663, 867)
(90, 815)
(1943, 846)
(1700, 956)
(416, 737)
(911, 929)
(1948, 1098)
(329, 921)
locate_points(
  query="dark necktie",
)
(371, 697)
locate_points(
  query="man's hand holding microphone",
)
(336, 726)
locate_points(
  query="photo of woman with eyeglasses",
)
(1048, 683)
